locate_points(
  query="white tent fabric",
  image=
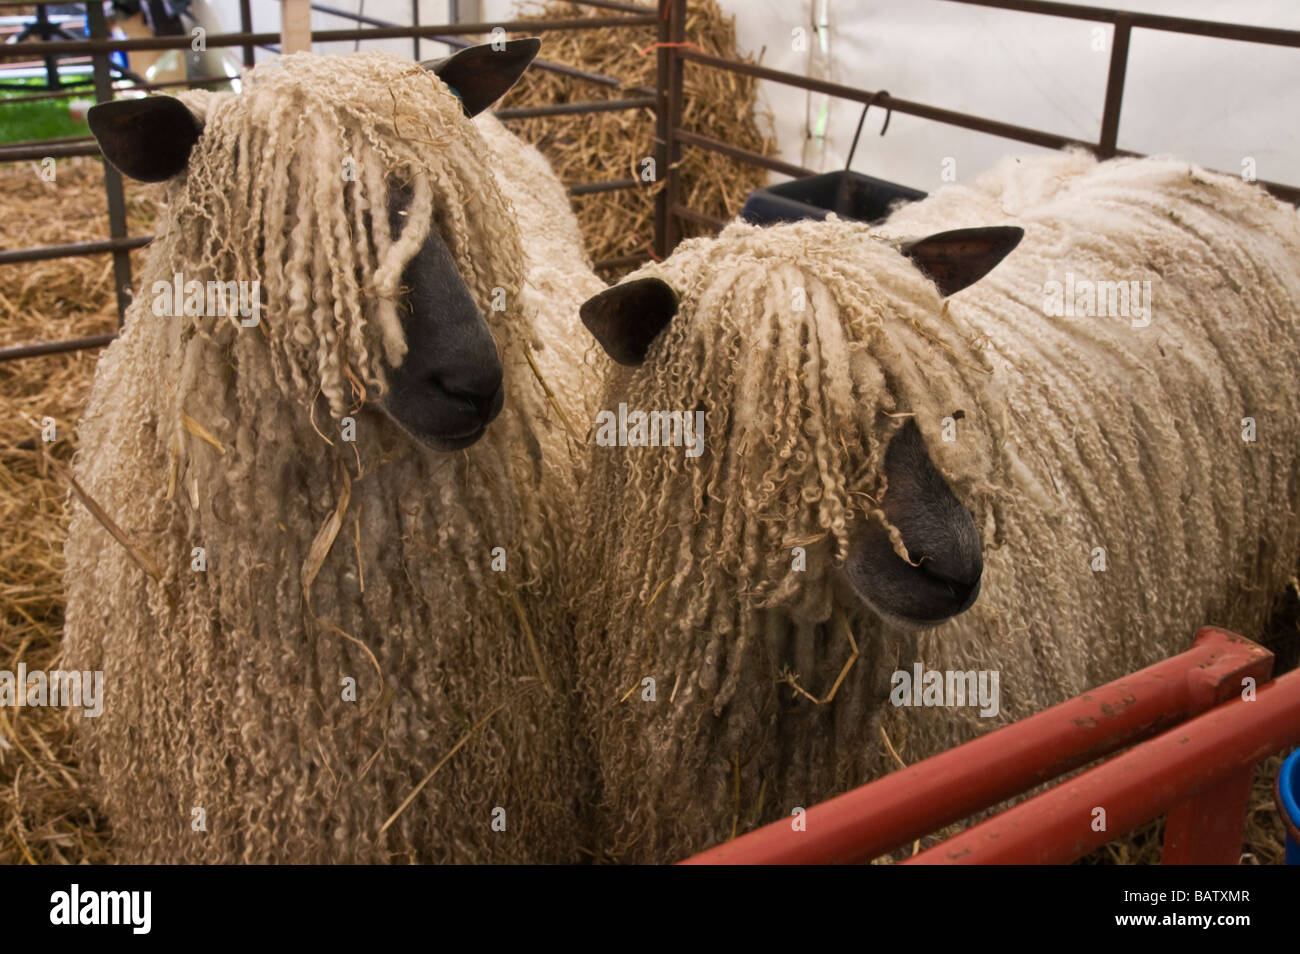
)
(1219, 102)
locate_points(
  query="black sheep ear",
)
(148, 139)
(627, 317)
(480, 75)
(962, 257)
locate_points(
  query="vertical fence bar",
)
(246, 27)
(52, 79)
(663, 131)
(1115, 85)
(1210, 827)
(676, 70)
(415, 22)
(112, 178)
(672, 32)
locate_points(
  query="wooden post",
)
(464, 11)
(295, 26)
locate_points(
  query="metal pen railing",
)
(666, 99)
(119, 244)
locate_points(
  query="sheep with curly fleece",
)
(335, 633)
(1012, 479)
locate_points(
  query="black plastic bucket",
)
(850, 195)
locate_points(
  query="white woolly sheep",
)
(1094, 486)
(327, 641)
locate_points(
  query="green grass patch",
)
(39, 119)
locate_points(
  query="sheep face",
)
(448, 386)
(943, 578)
(421, 342)
(820, 433)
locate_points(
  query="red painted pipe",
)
(1209, 828)
(1056, 827)
(872, 820)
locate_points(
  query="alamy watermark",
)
(653, 429)
(195, 299)
(1081, 298)
(947, 687)
(129, 908)
(83, 689)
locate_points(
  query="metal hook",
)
(861, 119)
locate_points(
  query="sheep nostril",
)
(486, 403)
(489, 408)
(961, 587)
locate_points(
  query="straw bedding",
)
(47, 810)
(600, 147)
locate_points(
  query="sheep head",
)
(911, 552)
(438, 375)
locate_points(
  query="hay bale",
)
(47, 815)
(600, 147)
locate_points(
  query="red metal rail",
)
(1207, 762)
(1200, 764)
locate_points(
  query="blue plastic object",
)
(1288, 803)
(117, 57)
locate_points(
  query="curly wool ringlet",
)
(225, 689)
(1070, 434)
